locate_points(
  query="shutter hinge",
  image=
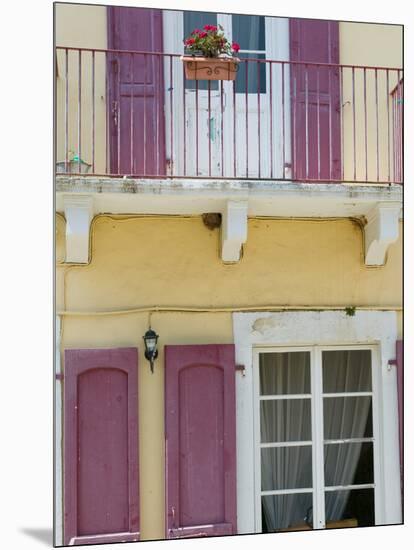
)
(241, 368)
(392, 363)
(59, 376)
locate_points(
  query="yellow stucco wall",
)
(371, 45)
(130, 250)
(81, 26)
(172, 261)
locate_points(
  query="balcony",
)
(285, 139)
(128, 114)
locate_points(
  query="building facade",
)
(256, 226)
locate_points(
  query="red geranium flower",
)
(189, 41)
(235, 47)
(196, 31)
(202, 34)
(210, 28)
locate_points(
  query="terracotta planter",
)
(210, 68)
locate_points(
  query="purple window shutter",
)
(101, 493)
(400, 387)
(200, 440)
(316, 131)
(136, 92)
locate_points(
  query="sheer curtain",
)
(290, 420)
(345, 418)
(281, 421)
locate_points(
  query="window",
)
(249, 32)
(315, 438)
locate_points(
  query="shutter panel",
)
(400, 388)
(315, 157)
(136, 92)
(200, 440)
(101, 494)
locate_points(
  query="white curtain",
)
(285, 420)
(290, 420)
(344, 418)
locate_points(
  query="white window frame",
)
(317, 443)
(376, 330)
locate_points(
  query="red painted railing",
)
(397, 129)
(127, 113)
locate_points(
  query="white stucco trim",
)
(58, 497)
(78, 210)
(233, 230)
(310, 328)
(190, 196)
(381, 230)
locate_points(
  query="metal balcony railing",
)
(128, 113)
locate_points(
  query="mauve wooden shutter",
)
(200, 440)
(316, 132)
(400, 387)
(101, 493)
(136, 92)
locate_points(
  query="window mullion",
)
(317, 437)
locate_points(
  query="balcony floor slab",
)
(196, 196)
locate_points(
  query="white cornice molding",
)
(233, 230)
(78, 210)
(381, 230)
(194, 197)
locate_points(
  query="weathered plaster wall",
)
(371, 45)
(175, 261)
(81, 26)
(169, 261)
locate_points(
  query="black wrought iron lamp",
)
(151, 352)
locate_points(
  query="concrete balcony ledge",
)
(378, 207)
(197, 196)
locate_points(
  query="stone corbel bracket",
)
(381, 230)
(78, 211)
(233, 230)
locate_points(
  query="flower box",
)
(210, 68)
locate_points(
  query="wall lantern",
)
(151, 352)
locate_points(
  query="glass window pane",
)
(286, 468)
(287, 512)
(354, 508)
(285, 420)
(347, 417)
(249, 31)
(197, 20)
(349, 464)
(284, 373)
(256, 74)
(346, 371)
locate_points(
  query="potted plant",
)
(209, 55)
(74, 165)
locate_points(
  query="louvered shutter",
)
(136, 92)
(315, 100)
